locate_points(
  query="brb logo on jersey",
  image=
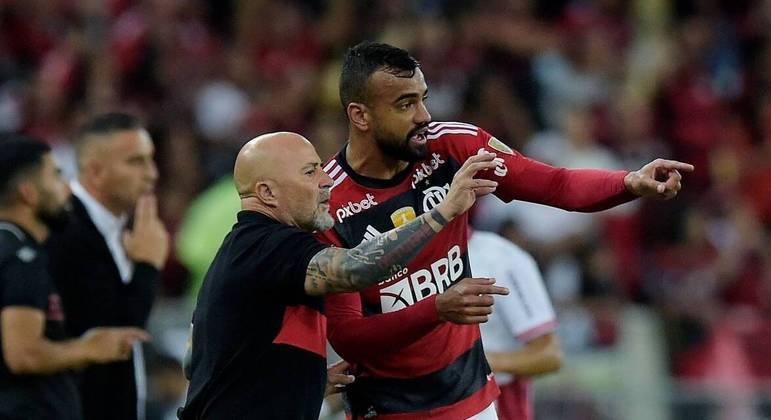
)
(433, 196)
(424, 171)
(422, 283)
(352, 208)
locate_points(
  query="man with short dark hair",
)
(106, 263)
(396, 166)
(36, 381)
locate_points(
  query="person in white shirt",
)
(107, 261)
(520, 338)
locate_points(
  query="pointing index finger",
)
(675, 165)
(486, 290)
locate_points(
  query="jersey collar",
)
(372, 182)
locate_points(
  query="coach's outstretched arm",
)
(335, 270)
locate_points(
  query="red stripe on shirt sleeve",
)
(305, 328)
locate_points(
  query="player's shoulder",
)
(451, 129)
(335, 170)
(454, 138)
(452, 134)
(11, 238)
(462, 139)
(14, 245)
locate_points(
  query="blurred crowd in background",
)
(664, 308)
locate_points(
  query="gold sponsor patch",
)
(499, 146)
(402, 216)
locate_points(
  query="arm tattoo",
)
(346, 270)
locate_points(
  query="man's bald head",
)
(265, 157)
(279, 174)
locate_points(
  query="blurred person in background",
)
(396, 165)
(36, 379)
(258, 343)
(105, 262)
(207, 220)
(520, 337)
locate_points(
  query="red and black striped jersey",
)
(410, 364)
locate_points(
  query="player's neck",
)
(366, 159)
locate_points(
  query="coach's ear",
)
(266, 192)
(358, 115)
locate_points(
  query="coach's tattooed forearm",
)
(346, 270)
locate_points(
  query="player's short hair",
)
(366, 58)
(21, 157)
(103, 125)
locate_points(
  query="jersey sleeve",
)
(528, 311)
(522, 178)
(23, 284)
(287, 261)
(356, 337)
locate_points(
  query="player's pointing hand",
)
(660, 179)
(465, 188)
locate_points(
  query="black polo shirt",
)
(258, 347)
(24, 281)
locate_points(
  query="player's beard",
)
(401, 148)
(56, 219)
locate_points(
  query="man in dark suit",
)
(105, 270)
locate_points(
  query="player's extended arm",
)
(335, 270)
(589, 190)
(539, 356)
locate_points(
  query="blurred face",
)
(577, 127)
(53, 195)
(398, 114)
(125, 169)
(304, 188)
